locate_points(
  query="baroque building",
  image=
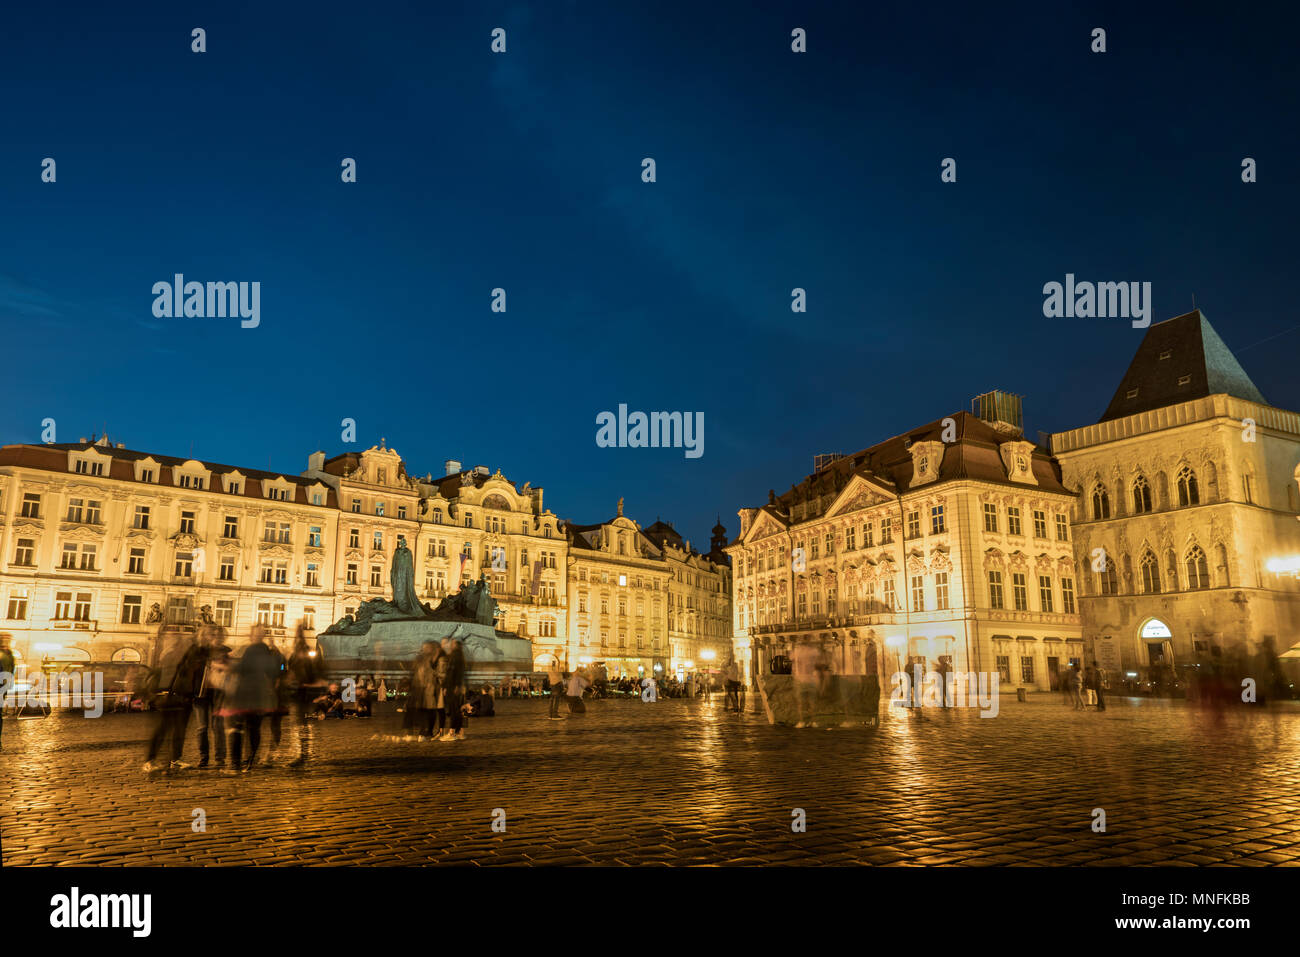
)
(101, 544)
(950, 542)
(699, 600)
(1187, 495)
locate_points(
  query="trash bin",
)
(1021, 696)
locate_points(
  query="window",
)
(891, 597)
(17, 604)
(92, 512)
(25, 553)
(990, 517)
(226, 612)
(1062, 527)
(62, 605)
(1013, 520)
(356, 505)
(81, 608)
(86, 467)
(1019, 593)
(184, 564)
(74, 509)
(82, 558)
(1004, 668)
(146, 475)
(941, 590)
(376, 576)
(313, 575)
(914, 524)
(231, 529)
(803, 604)
(995, 588)
(141, 517)
(831, 602)
(1109, 578)
(1100, 504)
(31, 505)
(867, 540)
(1027, 669)
(314, 537)
(1040, 524)
(918, 593)
(1189, 492)
(937, 525)
(378, 544)
(135, 561)
(814, 553)
(309, 618)
(379, 508)
(234, 488)
(886, 531)
(1045, 593)
(850, 537)
(178, 610)
(401, 511)
(1198, 572)
(226, 570)
(354, 538)
(131, 605)
(1141, 496)
(351, 575)
(187, 523)
(830, 543)
(1067, 595)
(317, 498)
(816, 602)
(469, 520)
(1150, 574)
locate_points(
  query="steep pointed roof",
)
(1178, 360)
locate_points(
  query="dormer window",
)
(87, 467)
(146, 475)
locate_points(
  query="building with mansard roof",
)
(947, 542)
(1187, 500)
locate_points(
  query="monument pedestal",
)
(389, 647)
(844, 698)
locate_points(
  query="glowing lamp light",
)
(708, 655)
(688, 664)
(1284, 566)
(894, 642)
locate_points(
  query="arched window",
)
(437, 516)
(1189, 493)
(1150, 573)
(1141, 496)
(1109, 578)
(1198, 571)
(1100, 503)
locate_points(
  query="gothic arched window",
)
(1198, 571)
(1109, 578)
(1189, 492)
(1141, 496)
(1150, 573)
(1100, 503)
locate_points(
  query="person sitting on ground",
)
(330, 704)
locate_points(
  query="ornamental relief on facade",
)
(76, 532)
(185, 540)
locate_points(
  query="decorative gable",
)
(1018, 460)
(926, 457)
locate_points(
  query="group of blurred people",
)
(436, 701)
(230, 697)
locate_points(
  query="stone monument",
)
(385, 635)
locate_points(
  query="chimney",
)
(316, 462)
(482, 470)
(81, 441)
(120, 445)
(452, 466)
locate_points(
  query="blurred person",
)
(578, 684)
(453, 688)
(871, 683)
(207, 705)
(1076, 689)
(425, 687)
(179, 677)
(281, 695)
(804, 670)
(731, 685)
(479, 704)
(330, 704)
(941, 672)
(305, 673)
(6, 668)
(366, 688)
(555, 680)
(252, 698)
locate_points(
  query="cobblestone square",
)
(676, 783)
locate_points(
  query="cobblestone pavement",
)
(680, 783)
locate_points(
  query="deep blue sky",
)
(522, 170)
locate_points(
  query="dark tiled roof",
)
(53, 457)
(972, 455)
(1194, 352)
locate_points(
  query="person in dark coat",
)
(252, 698)
(871, 683)
(179, 677)
(453, 688)
(306, 671)
(216, 661)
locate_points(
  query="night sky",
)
(523, 171)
